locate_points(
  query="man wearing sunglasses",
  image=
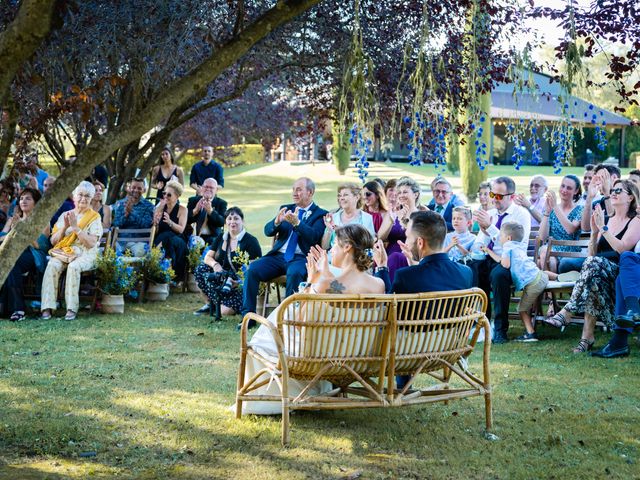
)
(489, 274)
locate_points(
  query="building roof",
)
(543, 105)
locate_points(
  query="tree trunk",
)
(174, 95)
(8, 132)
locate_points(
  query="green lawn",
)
(149, 393)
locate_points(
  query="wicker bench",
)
(360, 343)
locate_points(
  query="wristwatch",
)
(605, 228)
(531, 208)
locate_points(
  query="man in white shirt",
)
(535, 204)
(488, 274)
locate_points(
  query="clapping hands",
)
(317, 265)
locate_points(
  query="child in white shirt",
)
(458, 243)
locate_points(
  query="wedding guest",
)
(164, 172)
(98, 206)
(593, 293)
(296, 227)
(222, 259)
(206, 211)
(535, 203)
(391, 194)
(75, 238)
(170, 218)
(206, 168)
(32, 260)
(133, 212)
(375, 203)
(561, 220)
(485, 202)
(489, 275)
(349, 212)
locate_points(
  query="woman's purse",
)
(63, 256)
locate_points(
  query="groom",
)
(297, 227)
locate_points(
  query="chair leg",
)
(488, 411)
(285, 422)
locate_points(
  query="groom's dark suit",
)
(434, 273)
(273, 264)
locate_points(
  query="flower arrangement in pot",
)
(115, 279)
(157, 270)
(196, 247)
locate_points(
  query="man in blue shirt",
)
(206, 168)
(133, 211)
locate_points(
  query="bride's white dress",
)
(263, 343)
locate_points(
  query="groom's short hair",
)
(430, 226)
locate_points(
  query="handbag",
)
(62, 255)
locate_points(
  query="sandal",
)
(17, 316)
(558, 321)
(584, 346)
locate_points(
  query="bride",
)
(350, 253)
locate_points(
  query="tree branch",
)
(22, 37)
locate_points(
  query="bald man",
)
(206, 211)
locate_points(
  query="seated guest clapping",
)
(171, 219)
(561, 221)
(206, 211)
(593, 293)
(393, 227)
(75, 240)
(457, 244)
(133, 212)
(350, 212)
(488, 274)
(296, 228)
(217, 275)
(33, 259)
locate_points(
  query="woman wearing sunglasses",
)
(594, 292)
(170, 218)
(375, 203)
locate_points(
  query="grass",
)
(149, 393)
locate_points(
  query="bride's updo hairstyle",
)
(361, 242)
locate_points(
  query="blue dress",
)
(557, 231)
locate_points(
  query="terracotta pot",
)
(112, 303)
(192, 286)
(157, 292)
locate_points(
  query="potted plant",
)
(157, 271)
(194, 257)
(115, 279)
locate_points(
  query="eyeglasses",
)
(441, 192)
(535, 185)
(83, 195)
(500, 196)
(368, 194)
(168, 194)
(617, 191)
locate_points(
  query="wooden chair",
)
(135, 235)
(360, 343)
(558, 289)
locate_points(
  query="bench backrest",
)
(376, 335)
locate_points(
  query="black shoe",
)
(608, 352)
(202, 310)
(250, 325)
(499, 338)
(629, 320)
